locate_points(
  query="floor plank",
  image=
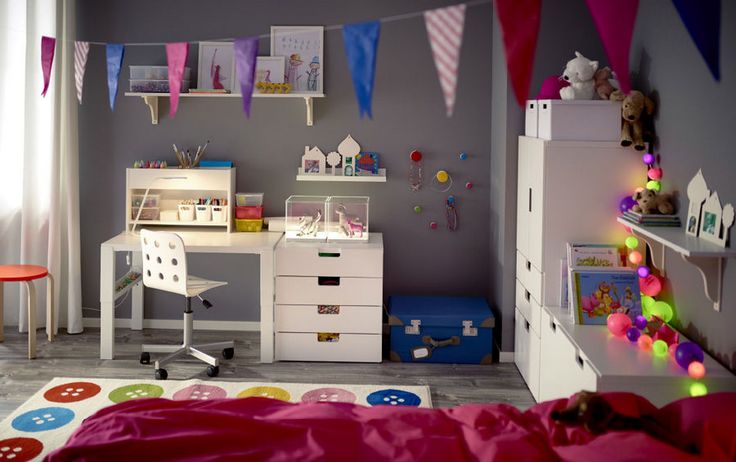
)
(78, 356)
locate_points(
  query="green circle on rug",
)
(135, 391)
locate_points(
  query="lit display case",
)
(305, 218)
(347, 218)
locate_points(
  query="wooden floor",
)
(78, 356)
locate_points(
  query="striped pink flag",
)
(445, 31)
(81, 50)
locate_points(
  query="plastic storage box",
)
(305, 218)
(249, 212)
(147, 213)
(152, 200)
(154, 73)
(347, 218)
(531, 118)
(249, 225)
(249, 199)
(155, 86)
(577, 120)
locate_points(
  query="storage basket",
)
(220, 213)
(186, 212)
(204, 212)
(249, 225)
(249, 212)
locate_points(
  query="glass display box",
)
(347, 218)
(305, 218)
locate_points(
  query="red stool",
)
(26, 274)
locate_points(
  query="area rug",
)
(48, 418)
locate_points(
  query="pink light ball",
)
(645, 342)
(635, 257)
(648, 158)
(433, 225)
(696, 370)
(672, 350)
(643, 271)
(650, 285)
(618, 324)
(688, 352)
(640, 322)
(655, 173)
(633, 334)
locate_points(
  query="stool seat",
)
(17, 273)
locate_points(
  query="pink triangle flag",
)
(176, 56)
(81, 51)
(445, 32)
(48, 45)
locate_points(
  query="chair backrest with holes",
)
(164, 261)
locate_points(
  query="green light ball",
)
(417, 209)
(647, 302)
(660, 348)
(662, 310)
(631, 242)
(654, 185)
(698, 389)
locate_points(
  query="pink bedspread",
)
(264, 429)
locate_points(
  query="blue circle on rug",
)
(393, 397)
(44, 419)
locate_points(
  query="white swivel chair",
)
(165, 268)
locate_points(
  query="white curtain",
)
(39, 174)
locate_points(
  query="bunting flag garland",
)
(702, 19)
(361, 43)
(48, 45)
(176, 57)
(115, 54)
(615, 24)
(445, 32)
(81, 51)
(246, 50)
(520, 27)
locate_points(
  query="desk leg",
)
(107, 302)
(267, 353)
(136, 303)
(2, 314)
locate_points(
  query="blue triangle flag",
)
(361, 42)
(115, 54)
(702, 19)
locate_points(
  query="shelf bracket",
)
(711, 269)
(657, 249)
(310, 111)
(152, 103)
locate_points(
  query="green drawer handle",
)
(328, 254)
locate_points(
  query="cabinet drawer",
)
(328, 318)
(526, 353)
(199, 179)
(329, 290)
(564, 368)
(329, 259)
(529, 307)
(530, 276)
(292, 346)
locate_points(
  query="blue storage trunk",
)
(440, 329)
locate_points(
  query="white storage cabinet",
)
(329, 299)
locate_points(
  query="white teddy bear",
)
(579, 72)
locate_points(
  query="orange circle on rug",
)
(265, 392)
(20, 449)
(72, 392)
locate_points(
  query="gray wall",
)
(694, 124)
(408, 113)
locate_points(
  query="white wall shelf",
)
(704, 255)
(380, 178)
(151, 100)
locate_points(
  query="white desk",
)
(262, 244)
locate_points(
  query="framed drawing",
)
(302, 48)
(216, 66)
(313, 161)
(270, 69)
(710, 219)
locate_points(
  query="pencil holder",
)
(204, 212)
(220, 213)
(186, 212)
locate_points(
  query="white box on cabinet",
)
(576, 120)
(531, 118)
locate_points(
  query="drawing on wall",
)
(302, 50)
(215, 67)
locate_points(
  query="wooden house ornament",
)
(313, 161)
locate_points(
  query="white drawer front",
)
(199, 179)
(530, 276)
(328, 318)
(329, 260)
(348, 347)
(526, 353)
(303, 290)
(529, 307)
(564, 369)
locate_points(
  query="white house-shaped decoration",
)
(710, 220)
(697, 192)
(333, 160)
(313, 161)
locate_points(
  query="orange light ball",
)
(635, 257)
(696, 370)
(645, 342)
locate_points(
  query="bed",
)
(702, 428)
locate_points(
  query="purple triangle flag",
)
(176, 56)
(702, 19)
(361, 43)
(246, 50)
(115, 54)
(48, 45)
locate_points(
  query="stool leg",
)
(2, 336)
(31, 289)
(50, 313)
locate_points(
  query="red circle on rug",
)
(72, 392)
(22, 449)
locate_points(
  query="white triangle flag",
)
(81, 50)
(445, 32)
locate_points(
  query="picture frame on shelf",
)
(366, 163)
(697, 192)
(302, 48)
(216, 67)
(710, 219)
(313, 161)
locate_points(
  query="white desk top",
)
(206, 241)
(375, 241)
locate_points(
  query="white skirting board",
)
(506, 357)
(177, 324)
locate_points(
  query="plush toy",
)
(649, 202)
(634, 109)
(579, 71)
(604, 83)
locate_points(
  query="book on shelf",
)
(585, 255)
(598, 292)
(651, 219)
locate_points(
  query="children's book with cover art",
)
(598, 292)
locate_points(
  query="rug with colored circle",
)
(48, 418)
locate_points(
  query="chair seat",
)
(17, 273)
(196, 286)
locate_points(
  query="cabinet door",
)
(526, 353)
(535, 153)
(522, 201)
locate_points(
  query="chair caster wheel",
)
(228, 353)
(145, 358)
(161, 374)
(212, 371)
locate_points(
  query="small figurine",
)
(308, 225)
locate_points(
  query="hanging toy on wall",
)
(441, 181)
(415, 170)
(451, 213)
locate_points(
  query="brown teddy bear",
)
(634, 108)
(603, 85)
(649, 202)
